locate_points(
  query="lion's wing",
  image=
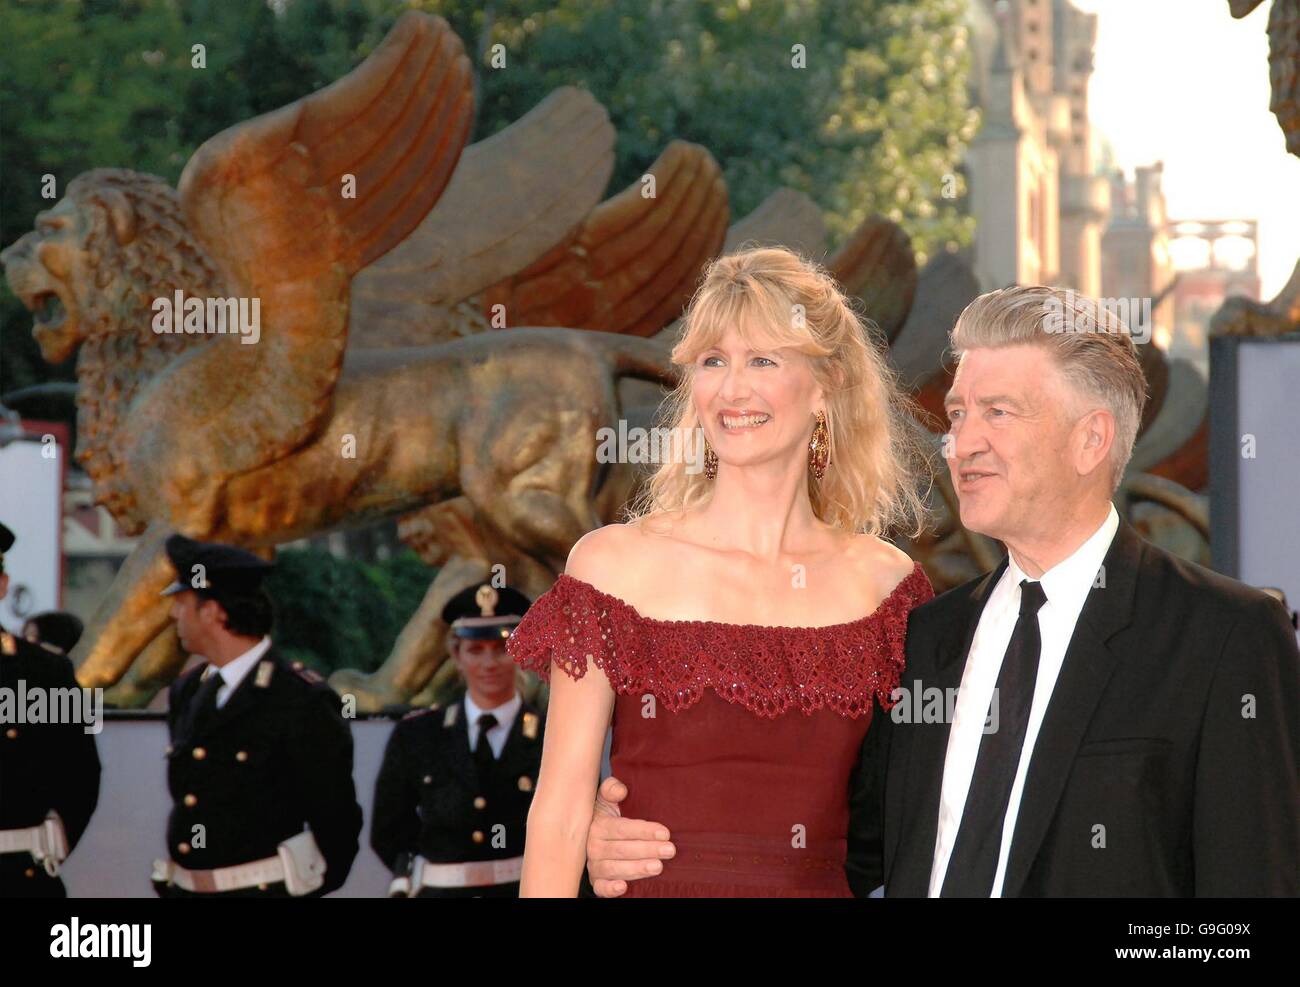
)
(268, 199)
(633, 263)
(786, 218)
(877, 265)
(513, 197)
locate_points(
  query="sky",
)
(1181, 81)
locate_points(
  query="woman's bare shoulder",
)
(886, 564)
(595, 552)
(599, 555)
(610, 556)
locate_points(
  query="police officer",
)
(49, 772)
(258, 748)
(452, 797)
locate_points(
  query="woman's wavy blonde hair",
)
(777, 298)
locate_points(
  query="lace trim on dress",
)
(767, 669)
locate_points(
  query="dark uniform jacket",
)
(430, 800)
(1174, 724)
(42, 767)
(275, 758)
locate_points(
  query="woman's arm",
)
(556, 846)
(577, 717)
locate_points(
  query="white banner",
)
(31, 482)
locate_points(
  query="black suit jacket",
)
(277, 756)
(1166, 764)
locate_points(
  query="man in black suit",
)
(260, 763)
(1096, 717)
(452, 797)
(49, 772)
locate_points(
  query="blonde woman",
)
(742, 625)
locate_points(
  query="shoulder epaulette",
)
(306, 673)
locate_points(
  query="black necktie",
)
(483, 756)
(203, 704)
(975, 853)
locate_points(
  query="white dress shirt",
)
(497, 735)
(1066, 586)
(233, 672)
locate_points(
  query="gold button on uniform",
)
(428, 779)
(184, 848)
(29, 872)
(168, 749)
(241, 756)
(200, 753)
(480, 802)
(11, 733)
(525, 783)
(191, 801)
(478, 836)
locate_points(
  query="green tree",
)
(340, 613)
(83, 84)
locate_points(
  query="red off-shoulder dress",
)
(739, 738)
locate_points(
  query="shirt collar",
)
(233, 672)
(1067, 584)
(505, 713)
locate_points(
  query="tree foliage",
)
(341, 613)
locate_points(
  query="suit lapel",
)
(462, 761)
(181, 702)
(518, 754)
(176, 710)
(926, 747)
(1087, 668)
(243, 699)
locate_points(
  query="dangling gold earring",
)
(710, 461)
(819, 447)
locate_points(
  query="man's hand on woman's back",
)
(621, 850)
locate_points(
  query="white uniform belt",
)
(471, 874)
(267, 871)
(18, 840)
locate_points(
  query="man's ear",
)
(4, 585)
(1094, 436)
(211, 610)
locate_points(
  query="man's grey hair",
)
(1091, 345)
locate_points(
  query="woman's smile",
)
(742, 420)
